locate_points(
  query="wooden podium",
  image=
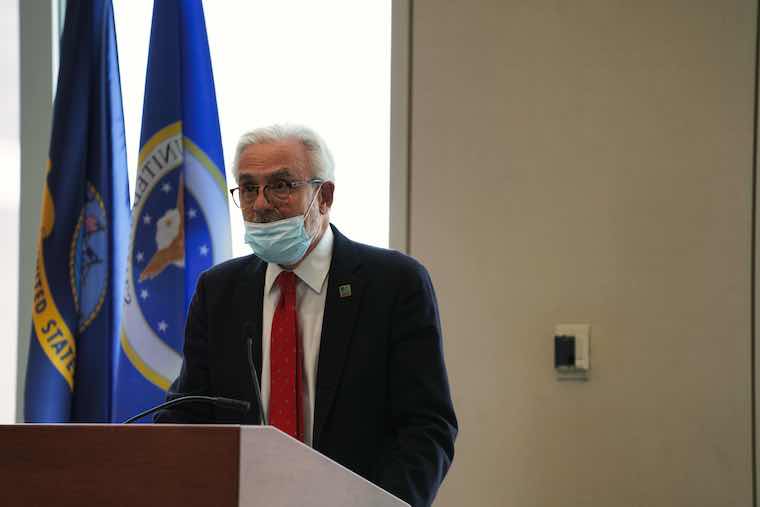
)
(172, 465)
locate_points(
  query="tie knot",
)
(286, 280)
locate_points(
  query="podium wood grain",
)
(111, 465)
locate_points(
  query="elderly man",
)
(346, 337)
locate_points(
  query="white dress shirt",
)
(311, 290)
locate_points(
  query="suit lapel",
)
(249, 295)
(344, 292)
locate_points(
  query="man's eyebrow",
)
(282, 173)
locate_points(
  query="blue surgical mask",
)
(282, 242)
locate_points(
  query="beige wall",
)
(589, 161)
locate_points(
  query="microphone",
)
(248, 333)
(229, 403)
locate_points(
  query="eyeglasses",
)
(277, 192)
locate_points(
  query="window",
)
(9, 206)
(325, 64)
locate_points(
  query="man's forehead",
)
(269, 157)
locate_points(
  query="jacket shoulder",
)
(383, 260)
(231, 268)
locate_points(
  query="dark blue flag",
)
(180, 219)
(82, 248)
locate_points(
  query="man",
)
(347, 338)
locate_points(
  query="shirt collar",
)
(313, 268)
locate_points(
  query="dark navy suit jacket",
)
(383, 407)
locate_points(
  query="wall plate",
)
(582, 335)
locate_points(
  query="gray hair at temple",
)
(320, 158)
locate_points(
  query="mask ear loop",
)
(308, 210)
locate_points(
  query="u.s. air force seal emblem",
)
(179, 194)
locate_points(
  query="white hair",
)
(320, 158)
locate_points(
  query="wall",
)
(590, 161)
(38, 52)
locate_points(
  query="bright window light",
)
(324, 64)
(9, 206)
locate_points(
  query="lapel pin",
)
(345, 290)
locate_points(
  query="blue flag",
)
(180, 219)
(82, 247)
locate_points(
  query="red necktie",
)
(284, 361)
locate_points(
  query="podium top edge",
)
(143, 426)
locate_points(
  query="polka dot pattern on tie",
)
(285, 366)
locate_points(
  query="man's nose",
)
(261, 202)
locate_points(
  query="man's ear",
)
(326, 196)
